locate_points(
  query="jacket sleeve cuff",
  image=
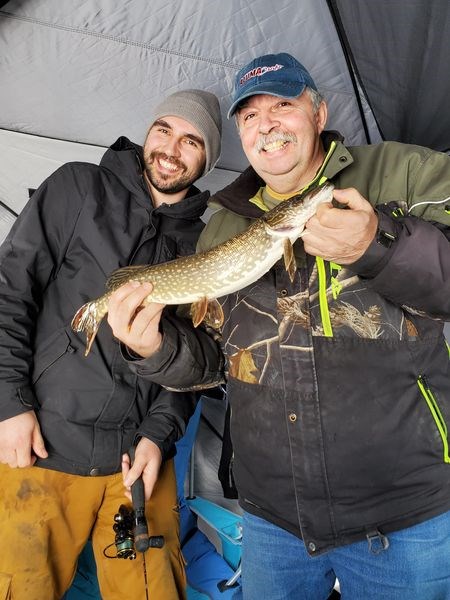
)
(21, 400)
(157, 361)
(166, 444)
(380, 249)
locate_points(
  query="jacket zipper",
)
(436, 414)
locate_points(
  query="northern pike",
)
(201, 278)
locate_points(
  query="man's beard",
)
(166, 183)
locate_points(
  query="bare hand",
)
(147, 461)
(338, 235)
(134, 324)
(21, 441)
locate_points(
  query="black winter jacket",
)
(339, 382)
(83, 222)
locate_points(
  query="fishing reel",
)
(130, 525)
(131, 535)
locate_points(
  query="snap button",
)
(342, 159)
(94, 472)
(292, 417)
(312, 546)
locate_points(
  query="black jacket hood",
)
(125, 159)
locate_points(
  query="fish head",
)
(288, 218)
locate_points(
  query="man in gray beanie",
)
(201, 109)
(186, 126)
(67, 422)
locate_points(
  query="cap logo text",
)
(258, 72)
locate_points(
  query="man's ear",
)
(321, 116)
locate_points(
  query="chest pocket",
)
(48, 355)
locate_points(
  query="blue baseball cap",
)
(274, 74)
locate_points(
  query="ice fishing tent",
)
(76, 74)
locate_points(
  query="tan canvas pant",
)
(46, 518)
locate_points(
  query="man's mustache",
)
(277, 136)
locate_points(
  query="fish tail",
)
(88, 319)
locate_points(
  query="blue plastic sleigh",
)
(212, 569)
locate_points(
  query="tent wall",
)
(91, 71)
(401, 50)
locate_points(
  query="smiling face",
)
(281, 139)
(174, 157)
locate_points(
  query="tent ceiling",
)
(92, 70)
(89, 71)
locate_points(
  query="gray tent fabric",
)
(87, 72)
(400, 50)
(90, 71)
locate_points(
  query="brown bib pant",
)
(47, 516)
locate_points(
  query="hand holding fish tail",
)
(341, 236)
(133, 322)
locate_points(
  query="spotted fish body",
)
(224, 269)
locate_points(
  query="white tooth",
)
(168, 165)
(272, 146)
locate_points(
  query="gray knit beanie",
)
(202, 110)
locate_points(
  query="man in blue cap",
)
(339, 381)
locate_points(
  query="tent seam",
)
(119, 40)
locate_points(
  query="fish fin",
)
(209, 311)
(87, 319)
(214, 314)
(289, 259)
(123, 275)
(198, 311)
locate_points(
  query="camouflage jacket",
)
(339, 382)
